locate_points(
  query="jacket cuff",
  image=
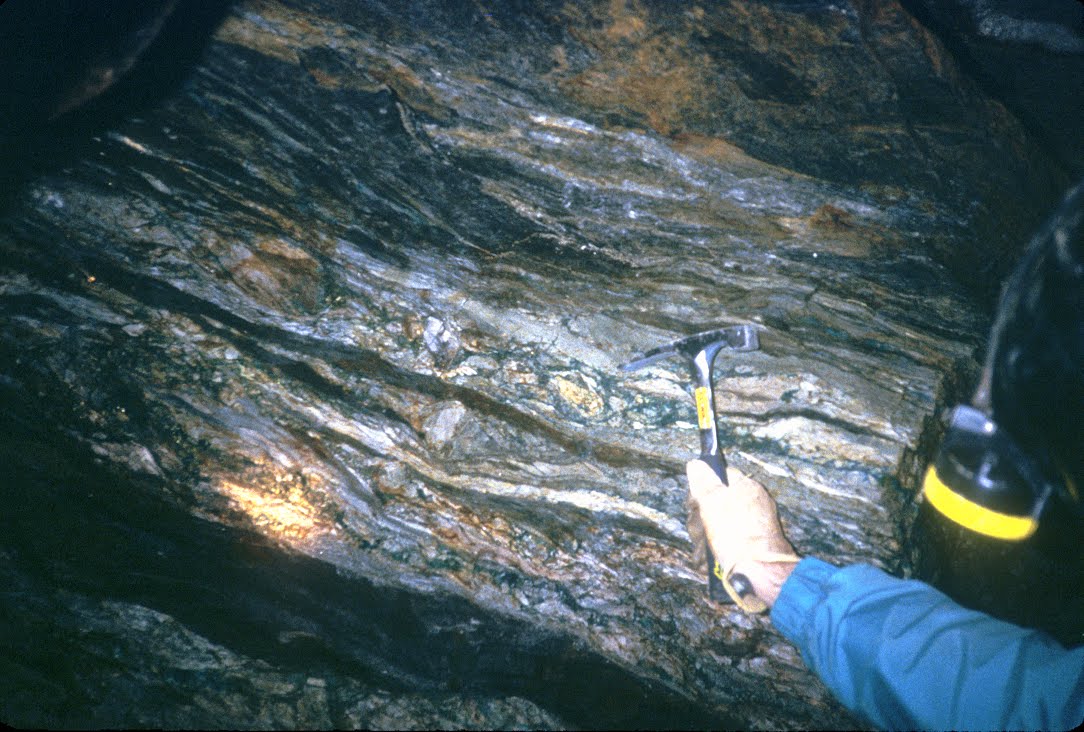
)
(806, 588)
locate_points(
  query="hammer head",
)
(733, 338)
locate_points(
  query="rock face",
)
(309, 371)
(1028, 56)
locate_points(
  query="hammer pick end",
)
(732, 338)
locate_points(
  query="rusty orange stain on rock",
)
(641, 68)
(274, 271)
(326, 80)
(831, 217)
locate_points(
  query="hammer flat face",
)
(735, 338)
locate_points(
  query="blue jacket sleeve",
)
(905, 656)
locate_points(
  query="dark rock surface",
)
(308, 372)
(1027, 55)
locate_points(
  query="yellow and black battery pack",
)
(982, 481)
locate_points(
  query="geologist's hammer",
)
(699, 352)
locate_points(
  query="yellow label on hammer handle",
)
(703, 407)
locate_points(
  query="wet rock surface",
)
(310, 371)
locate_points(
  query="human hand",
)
(741, 524)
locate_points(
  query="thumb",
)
(702, 479)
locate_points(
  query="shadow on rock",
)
(73, 69)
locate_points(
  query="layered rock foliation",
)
(309, 373)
